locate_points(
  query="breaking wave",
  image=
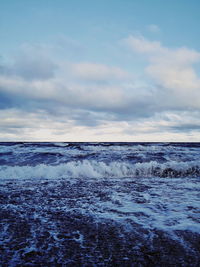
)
(100, 169)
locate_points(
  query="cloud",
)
(57, 91)
(142, 45)
(31, 63)
(167, 126)
(172, 69)
(87, 86)
(153, 28)
(98, 72)
(65, 100)
(39, 125)
(31, 68)
(120, 101)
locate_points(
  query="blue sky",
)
(100, 70)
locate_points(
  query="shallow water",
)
(100, 204)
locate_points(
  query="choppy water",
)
(100, 204)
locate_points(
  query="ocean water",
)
(99, 204)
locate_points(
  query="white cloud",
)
(93, 102)
(172, 69)
(153, 28)
(20, 125)
(142, 45)
(98, 72)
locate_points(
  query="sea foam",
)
(100, 169)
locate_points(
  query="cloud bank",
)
(44, 97)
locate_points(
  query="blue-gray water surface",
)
(99, 204)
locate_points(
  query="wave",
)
(100, 169)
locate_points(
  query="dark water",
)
(100, 204)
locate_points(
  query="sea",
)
(99, 204)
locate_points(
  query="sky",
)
(74, 70)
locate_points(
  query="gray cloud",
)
(185, 128)
(30, 63)
(34, 68)
(55, 98)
